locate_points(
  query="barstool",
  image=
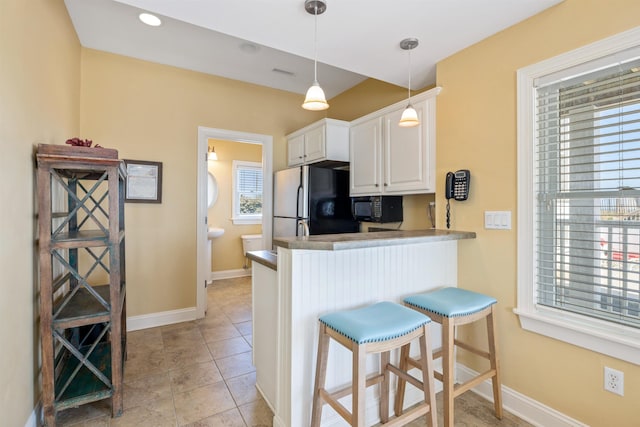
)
(452, 307)
(378, 328)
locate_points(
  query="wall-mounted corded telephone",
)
(457, 188)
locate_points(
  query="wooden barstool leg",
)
(321, 370)
(448, 373)
(426, 361)
(385, 359)
(359, 382)
(402, 383)
(495, 364)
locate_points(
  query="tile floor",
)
(200, 374)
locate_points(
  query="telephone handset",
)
(458, 185)
(457, 188)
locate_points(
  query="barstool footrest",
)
(472, 349)
(461, 388)
(414, 381)
(409, 416)
(345, 391)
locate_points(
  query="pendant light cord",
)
(409, 88)
(315, 45)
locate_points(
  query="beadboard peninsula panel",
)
(315, 282)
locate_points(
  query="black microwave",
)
(377, 208)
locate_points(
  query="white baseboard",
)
(230, 274)
(518, 404)
(163, 318)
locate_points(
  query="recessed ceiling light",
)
(150, 19)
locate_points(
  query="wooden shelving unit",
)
(82, 277)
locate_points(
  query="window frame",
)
(237, 217)
(604, 337)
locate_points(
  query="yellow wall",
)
(476, 129)
(227, 249)
(39, 103)
(152, 112)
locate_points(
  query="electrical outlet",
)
(614, 381)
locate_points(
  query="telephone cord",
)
(448, 214)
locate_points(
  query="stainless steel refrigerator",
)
(310, 200)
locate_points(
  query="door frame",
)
(204, 133)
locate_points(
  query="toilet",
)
(250, 242)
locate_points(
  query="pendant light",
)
(315, 99)
(409, 115)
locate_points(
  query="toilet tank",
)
(251, 242)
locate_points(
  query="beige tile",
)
(144, 363)
(194, 376)
(94, 422)
(226, 348)
(150, 339)
(213, 321)
(219, 333)
(198, 353)
(236, 365)
(94, 413)
(180, 340)
(238, 312)
(178, 326)
(257, 414)
(138, 391)
(230, 418)
(245, 328)
(249, 339)
(202, 402)
(243, 388)
(157, 413)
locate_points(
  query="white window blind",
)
(247, 203)
(587, 183)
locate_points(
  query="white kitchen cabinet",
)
(327, 139)
(388, 159)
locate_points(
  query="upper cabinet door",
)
(314, 145)
(388, 159)
(296, 151)
(327, 139)
(406, 166)
(365, 154)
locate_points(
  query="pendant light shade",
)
(315, 99)
(409, 115)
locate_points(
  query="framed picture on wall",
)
(144, 181)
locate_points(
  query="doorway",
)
(201, 229)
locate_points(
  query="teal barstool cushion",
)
(451, 302)
(378, 322)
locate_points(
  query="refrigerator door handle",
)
(304, 226)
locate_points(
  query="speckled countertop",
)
(336, 242)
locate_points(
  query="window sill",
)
(612, 340)
(247, 221)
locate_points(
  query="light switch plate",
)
(497, 220)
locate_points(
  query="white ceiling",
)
(247, 39)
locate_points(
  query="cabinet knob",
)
(304, 155)
(376, 185)
(385, 184)
(299, 157)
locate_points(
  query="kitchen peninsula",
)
(314, 275)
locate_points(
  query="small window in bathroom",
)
(247, 192)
